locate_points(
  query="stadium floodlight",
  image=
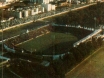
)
(95, 23)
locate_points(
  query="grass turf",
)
(46, 42)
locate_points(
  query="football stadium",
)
(48, 40)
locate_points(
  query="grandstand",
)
(87, 37)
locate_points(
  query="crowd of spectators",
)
(29, 35)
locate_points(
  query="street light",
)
(95, 23)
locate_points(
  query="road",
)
(21, 29)
(71, 9)
(91, 67)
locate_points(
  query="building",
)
(48, 7)
(25, 11)
(6, 0)
(40, 1)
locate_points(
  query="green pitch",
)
(44, 42)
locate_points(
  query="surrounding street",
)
(91, 67)
(21, 29)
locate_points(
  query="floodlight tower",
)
(95, 23)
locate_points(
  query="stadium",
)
(50, 47)
(47, 40)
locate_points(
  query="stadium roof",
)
(2, 57)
